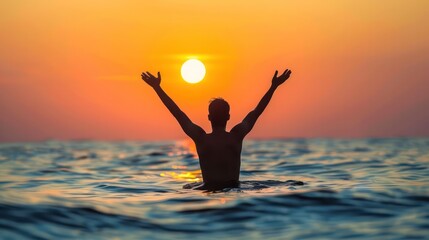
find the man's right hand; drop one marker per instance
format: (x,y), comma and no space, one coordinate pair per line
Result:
(277,81)
(151,79)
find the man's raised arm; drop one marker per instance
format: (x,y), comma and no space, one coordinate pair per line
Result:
(191,129)
(243,128)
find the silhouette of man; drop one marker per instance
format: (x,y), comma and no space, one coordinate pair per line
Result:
(219,152)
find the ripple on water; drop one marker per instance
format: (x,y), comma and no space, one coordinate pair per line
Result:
(120,189)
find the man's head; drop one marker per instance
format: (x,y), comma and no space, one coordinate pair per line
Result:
(218,112)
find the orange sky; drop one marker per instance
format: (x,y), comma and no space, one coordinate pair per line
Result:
(71,69)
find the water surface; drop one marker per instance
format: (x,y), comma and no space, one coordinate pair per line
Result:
(291,189)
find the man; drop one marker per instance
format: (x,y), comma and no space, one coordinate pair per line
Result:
(219,152)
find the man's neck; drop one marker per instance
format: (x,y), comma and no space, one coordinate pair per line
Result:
(218,129)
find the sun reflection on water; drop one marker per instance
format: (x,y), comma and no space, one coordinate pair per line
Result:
(191,176)
(186,147)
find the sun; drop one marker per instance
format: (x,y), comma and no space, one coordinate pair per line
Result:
(193,71)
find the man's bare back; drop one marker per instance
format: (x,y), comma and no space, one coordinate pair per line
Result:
(219,152)
(219,155)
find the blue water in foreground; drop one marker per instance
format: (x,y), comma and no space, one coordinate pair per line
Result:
(340,189)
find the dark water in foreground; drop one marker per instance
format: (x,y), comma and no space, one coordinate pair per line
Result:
(371,188)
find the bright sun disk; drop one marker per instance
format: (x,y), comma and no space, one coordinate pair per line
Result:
(193,71)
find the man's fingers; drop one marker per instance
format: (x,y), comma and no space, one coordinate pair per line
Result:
(150,74)
(145,76)
(285,72)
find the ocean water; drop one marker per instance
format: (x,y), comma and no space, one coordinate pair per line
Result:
(290,189)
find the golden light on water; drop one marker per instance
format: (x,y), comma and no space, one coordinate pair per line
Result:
(191,176)
(186,147)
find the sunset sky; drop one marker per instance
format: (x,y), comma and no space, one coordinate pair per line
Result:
(71,69)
